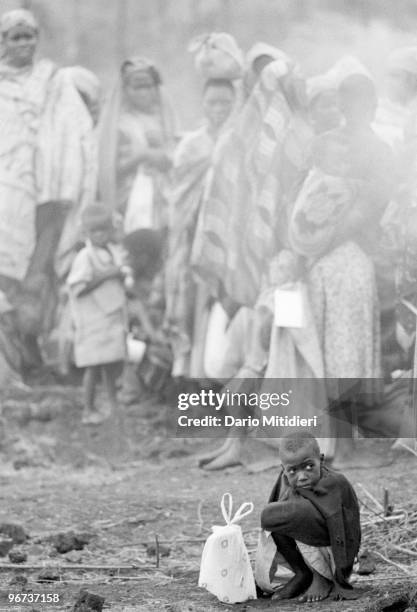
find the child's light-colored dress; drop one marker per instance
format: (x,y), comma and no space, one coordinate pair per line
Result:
(100,316)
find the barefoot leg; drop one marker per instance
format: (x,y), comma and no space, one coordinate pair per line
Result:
(109,380)
(302,578)
(318,590)
(109,373)
(206,458)
(231,457)
(344,443)
(344,456)
(90,379)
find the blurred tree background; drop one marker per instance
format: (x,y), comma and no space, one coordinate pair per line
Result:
(99,34)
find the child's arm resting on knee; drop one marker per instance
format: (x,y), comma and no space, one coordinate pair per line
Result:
(270,516)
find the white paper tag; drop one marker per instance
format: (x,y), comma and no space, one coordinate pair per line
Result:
(135,349)
(289,311)
(140,206)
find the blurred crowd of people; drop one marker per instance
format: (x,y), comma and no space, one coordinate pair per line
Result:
(146,254)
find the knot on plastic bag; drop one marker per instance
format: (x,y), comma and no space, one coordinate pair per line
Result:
(243,511)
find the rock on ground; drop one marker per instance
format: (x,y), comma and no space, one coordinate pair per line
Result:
(5,545)
(88,602)
(65,542)
(14,531)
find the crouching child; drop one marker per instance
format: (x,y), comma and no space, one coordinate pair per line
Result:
(311,527)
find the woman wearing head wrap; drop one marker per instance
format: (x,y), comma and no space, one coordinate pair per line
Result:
(322,93)
(336,224)
(192,163)
(49,162)
(256,170)
(136,134)
(344,156)
(256,173)
(42,167)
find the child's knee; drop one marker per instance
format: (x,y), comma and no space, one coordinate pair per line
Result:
(269,518)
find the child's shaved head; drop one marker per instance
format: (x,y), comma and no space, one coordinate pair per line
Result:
(301,460)
(293,442)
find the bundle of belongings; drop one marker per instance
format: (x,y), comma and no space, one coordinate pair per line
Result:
(225,567)
(217,56)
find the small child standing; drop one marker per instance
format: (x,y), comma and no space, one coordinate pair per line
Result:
(97,282)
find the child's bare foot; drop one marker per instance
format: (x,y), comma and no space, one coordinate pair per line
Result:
(297,585)
(204,459)
(318,590)
(230,458)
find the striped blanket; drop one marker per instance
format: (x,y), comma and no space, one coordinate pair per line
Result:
(191,164)
(256,171)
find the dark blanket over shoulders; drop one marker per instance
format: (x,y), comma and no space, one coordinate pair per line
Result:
(335,499)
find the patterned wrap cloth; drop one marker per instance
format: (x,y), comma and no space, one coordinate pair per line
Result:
(43,127)
(191,165)
(254,175)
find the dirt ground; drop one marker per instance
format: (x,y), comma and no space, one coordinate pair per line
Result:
(57,475)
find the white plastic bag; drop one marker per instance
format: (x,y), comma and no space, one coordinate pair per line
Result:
(140,206)
(225,568)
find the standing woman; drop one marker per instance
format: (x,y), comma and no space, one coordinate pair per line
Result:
(243,221)
(336,226)
(42,171)
(137,134)
(188,302)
